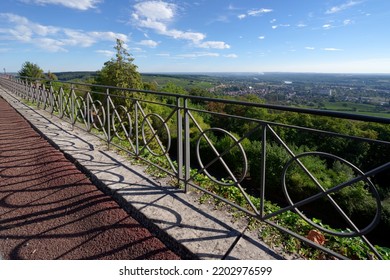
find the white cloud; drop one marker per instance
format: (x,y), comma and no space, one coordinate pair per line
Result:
(50,45)
(332,49)
(301,25)
(74,38)
(214,45)
(327,26)
(106,53)
(51,38)
(155,10)
(341,7)
(309,48)
(4,49)
(259,12)
(73,4)
(254,13)
(347,21)
(148,43)
(135,49)
(274,26)
(261,37)
(23,29)
(108,36)
(232,55)
(158,15)
(186,35)
(198,54)
(232,8)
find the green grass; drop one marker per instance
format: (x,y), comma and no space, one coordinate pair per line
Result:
(185,82)
(356,108)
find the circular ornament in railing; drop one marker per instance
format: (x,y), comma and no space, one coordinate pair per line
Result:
(154,120)
(98,115)
(119,112)
(359,179)
(232,180)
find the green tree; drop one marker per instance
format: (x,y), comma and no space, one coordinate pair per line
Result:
(51,76)
(31,70)
(173,88)
(120,71)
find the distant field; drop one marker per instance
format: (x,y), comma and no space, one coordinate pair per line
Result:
(356,108)
(185,82)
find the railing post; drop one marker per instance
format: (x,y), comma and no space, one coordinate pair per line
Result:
(179,141)
(186,145)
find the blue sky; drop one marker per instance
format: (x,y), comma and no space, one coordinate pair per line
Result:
(330,36)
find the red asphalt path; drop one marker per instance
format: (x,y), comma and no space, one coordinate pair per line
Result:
(50,210)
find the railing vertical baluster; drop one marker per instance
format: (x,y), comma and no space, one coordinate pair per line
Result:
(51,98)
(27,90)
(30,91)
(72,107)
(44,97)
(263,168)
(108,118)
(39,96)
(34,92)
(89,127)
(136,128)
(60,103)
(24,92)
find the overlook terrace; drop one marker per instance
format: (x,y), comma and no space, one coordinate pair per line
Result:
(169,133)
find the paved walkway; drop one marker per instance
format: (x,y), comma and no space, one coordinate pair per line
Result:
(190,229)
(51,210)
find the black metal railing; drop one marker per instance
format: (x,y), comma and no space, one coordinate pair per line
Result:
(317,176)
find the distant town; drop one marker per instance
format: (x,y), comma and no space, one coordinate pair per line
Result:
(342,92)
